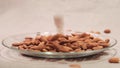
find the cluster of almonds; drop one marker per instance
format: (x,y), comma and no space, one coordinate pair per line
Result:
(62,43)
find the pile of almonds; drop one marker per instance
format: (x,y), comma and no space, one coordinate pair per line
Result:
(76,42)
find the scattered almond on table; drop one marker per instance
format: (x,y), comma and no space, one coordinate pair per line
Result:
(75,66)
(114,60)
(107,31)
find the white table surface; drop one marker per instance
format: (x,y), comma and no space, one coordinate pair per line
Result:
(25,16)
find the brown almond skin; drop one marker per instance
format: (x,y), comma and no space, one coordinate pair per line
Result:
(30,38)
(21,47)
(35,41)
(34,48)
(17,44)
(38,37)
(78,50)
(44,50)
(84,47)
(104,44)
(114,60)
(75,66)
(98,47)
(107,31)
(97,32)
(107,40)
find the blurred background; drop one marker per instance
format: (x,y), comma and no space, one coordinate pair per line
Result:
(20,16)
(26,16)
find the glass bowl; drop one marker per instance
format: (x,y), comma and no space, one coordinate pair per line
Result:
(7,42)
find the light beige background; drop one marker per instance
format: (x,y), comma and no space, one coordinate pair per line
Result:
(24,16)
